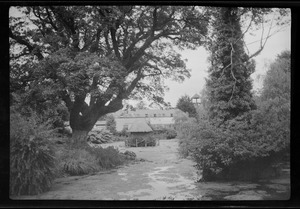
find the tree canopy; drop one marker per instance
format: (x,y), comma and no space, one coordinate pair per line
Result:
(91,58)
(104,53)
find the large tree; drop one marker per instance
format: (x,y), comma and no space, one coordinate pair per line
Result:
(93,57)
(229,85)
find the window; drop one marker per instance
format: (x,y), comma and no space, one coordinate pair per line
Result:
(146,115)
(171,115)
(154,115)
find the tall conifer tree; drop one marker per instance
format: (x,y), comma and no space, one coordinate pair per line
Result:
(229,84)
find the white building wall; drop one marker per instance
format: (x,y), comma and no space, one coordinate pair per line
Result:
(166,122)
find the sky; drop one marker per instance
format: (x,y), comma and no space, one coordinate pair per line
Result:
(197,62)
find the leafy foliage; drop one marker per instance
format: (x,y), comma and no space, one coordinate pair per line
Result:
(171,133)
(186,129)
(106,53)
(247,146)
(107,158)
(185,104)
(76,162)
(32,162)
(164,133)
(111,124)
(85,160)
(277,83)
(229,84)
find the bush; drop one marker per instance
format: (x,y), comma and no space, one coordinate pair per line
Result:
(122,133)
(159,134)
(164,133)
(187,131)
(86,160)
(77,162)
(108,157)
(141,141)
(171,133)
(242,148)
(32,162)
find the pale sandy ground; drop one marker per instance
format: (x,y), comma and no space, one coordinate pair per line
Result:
(161,174)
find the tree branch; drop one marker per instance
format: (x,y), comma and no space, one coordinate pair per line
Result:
(154,21)
(133,84)
(235,80)
(23,53)
(154,67)
(32,49)
(262,45)
(50,20)
(141,50)
(107,42)
(114,42)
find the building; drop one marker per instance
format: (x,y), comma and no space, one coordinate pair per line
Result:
(196,99)
(157,119)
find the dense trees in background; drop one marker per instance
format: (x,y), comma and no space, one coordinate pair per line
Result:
(185,104)
(68,54)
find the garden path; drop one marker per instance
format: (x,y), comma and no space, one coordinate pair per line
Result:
(159,173)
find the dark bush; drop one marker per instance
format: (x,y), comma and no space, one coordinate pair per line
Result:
(159,134)
(244,148)
(32,162)
(122,133)
(171,133)
(108,157)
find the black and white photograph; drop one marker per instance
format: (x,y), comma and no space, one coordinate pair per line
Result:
(152,102)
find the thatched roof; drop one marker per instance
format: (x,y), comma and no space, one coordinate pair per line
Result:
(139,126)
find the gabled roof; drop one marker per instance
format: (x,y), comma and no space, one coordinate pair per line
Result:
(139,126)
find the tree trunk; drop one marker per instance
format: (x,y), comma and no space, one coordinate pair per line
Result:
(79,136)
